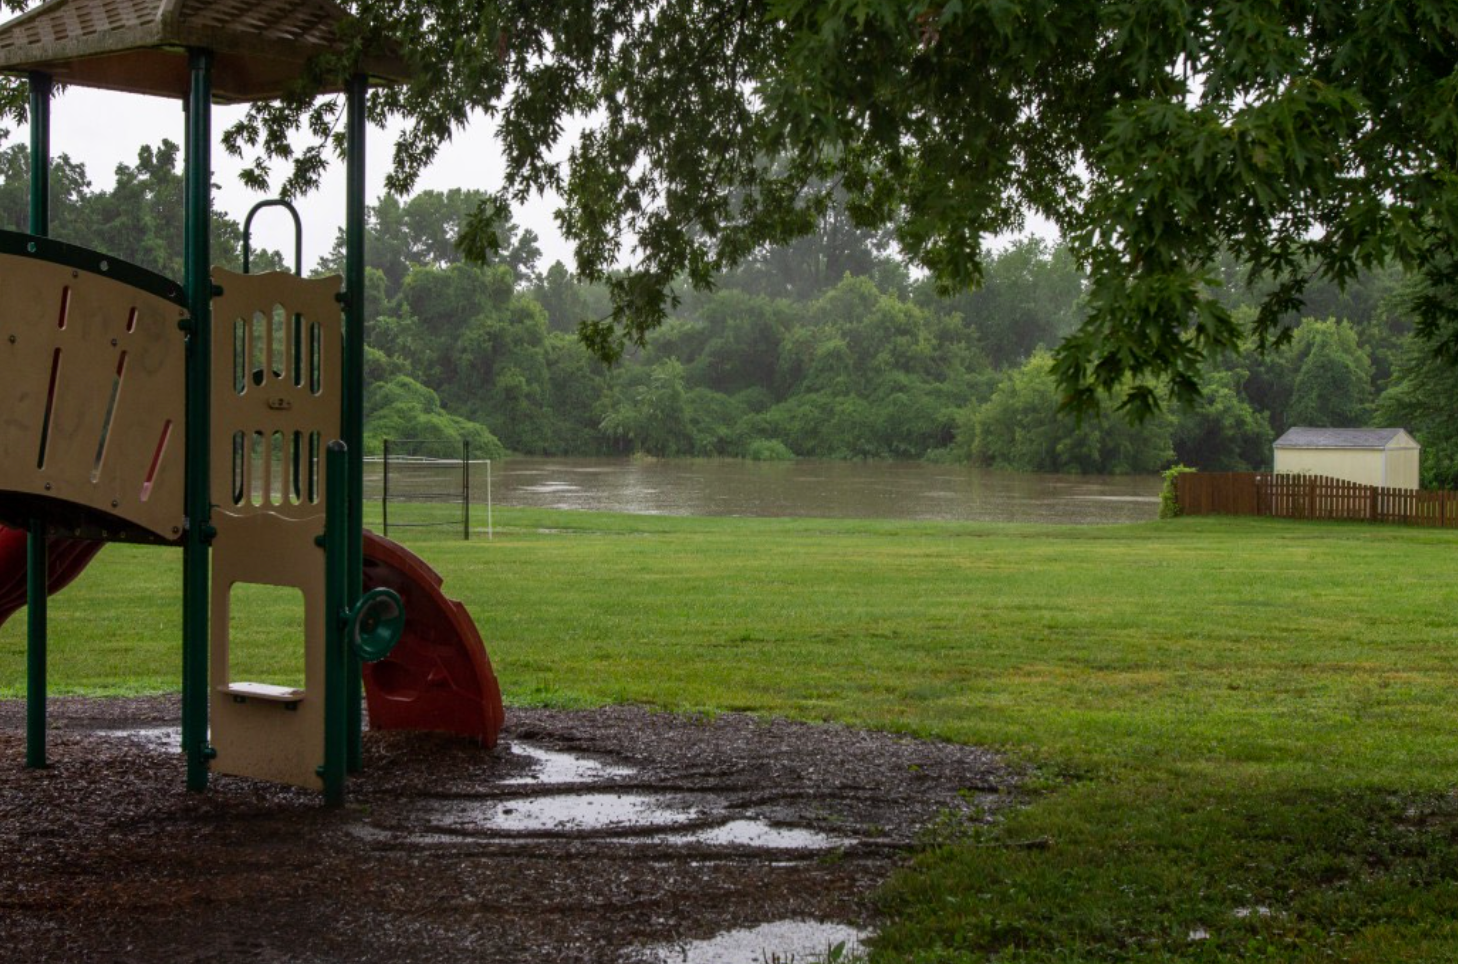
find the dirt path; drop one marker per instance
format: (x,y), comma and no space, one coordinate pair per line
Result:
(613,835)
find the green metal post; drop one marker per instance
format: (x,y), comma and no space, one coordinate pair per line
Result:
(199,286)
(35,650)
(37,558)
(354,306)
(40,154)
(337,662)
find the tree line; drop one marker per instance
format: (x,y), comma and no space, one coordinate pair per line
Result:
(828,347)
(824,347)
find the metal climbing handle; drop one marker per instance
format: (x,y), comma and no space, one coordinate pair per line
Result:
(277,202)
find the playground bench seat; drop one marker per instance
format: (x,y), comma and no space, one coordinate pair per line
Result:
(242,692)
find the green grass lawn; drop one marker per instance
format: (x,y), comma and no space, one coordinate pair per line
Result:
(1244,733)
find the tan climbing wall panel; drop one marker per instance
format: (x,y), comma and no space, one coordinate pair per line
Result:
(92,380)
(277,363)
(276,404)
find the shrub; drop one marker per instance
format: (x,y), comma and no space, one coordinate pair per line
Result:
(768,450)
(1169,503)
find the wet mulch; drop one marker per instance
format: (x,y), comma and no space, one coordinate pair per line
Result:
(105,857)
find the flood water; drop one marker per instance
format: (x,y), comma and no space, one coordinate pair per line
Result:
(809,488)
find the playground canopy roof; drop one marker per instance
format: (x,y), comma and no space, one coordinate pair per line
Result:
(140,46)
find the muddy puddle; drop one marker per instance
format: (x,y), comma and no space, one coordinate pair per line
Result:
(625,818)
(779,942)
(612,836)
(551,766)
(161,739)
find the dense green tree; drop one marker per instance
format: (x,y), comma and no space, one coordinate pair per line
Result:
(650,414)
(401,407)
(425,230)
(578,385)
(1333,386)
(715,423)
(805,267)
(1020,429)
(739,342)
(823,424)
(138,220)
(1310,139)
(1423,398)
(70,194)
(562,298)
(1030,298)
(1222,431)
(502,358)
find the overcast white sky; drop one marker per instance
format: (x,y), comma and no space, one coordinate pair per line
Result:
(102,129)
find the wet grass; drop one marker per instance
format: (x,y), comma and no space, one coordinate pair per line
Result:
(1246,731)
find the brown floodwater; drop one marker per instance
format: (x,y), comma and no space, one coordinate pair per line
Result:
(810,488)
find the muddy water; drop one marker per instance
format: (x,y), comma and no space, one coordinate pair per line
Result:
(575,797)
(781,942)
(808,488)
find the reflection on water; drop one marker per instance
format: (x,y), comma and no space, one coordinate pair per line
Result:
(876,490)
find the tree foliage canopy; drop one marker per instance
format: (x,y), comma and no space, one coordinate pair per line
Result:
(1310,138)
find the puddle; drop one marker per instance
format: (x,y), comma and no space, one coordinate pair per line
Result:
(782,942)
(552,766)
(612,815)
(757,833)
(573,813)
(161,739)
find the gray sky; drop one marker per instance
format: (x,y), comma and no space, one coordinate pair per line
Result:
(102,129)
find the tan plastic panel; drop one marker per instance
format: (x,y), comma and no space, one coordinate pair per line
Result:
(265,738)
(268,537)
(108,361)
(276,395)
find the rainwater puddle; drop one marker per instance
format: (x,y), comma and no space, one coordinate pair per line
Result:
(623,818)
(160,739)
(757,833)
(782,942)
(552,766)
(577,812)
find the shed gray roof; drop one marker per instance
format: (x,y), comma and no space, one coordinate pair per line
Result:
(1340,438)
(139,46)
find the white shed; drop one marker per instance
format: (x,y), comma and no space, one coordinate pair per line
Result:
(1372,456)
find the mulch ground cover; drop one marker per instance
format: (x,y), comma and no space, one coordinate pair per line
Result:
(105,857)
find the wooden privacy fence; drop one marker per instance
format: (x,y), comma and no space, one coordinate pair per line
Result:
(1311,497)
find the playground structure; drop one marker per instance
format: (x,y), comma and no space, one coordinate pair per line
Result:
(222,415)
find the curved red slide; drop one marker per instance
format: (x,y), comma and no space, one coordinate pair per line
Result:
(438,676)
(66,560)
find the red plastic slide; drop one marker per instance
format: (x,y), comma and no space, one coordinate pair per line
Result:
(437,678)
(66,560)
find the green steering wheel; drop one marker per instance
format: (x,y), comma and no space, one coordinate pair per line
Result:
(375,624)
